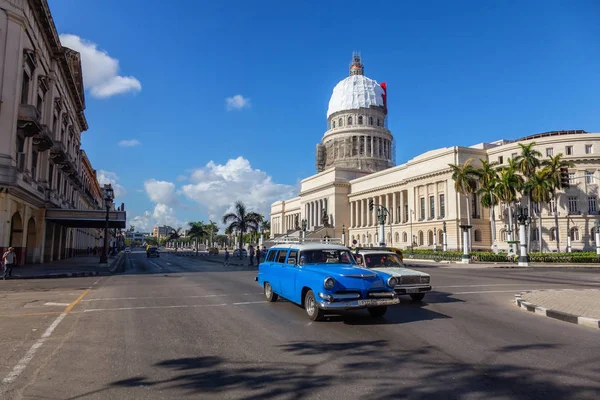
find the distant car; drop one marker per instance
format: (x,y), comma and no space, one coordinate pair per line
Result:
(410,281)
(127,249)
(152,252)
(324,278)
(236,253)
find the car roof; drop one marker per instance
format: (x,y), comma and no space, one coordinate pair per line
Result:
(308,246)
(375,252)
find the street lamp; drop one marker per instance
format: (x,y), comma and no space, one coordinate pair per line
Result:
(343,235)
(304,226)
(109,195)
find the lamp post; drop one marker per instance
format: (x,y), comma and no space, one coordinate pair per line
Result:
(411,235)
(108,198)
(444,239)
(523,219)
(597,225)
(435,243)
(304,225)
(343,235)
(465,257)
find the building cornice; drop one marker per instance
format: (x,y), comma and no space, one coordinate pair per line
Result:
(325,186)
(403,182)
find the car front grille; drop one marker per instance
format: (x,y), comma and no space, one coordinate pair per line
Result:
(410,280)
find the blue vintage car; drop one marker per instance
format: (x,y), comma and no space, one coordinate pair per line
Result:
(323,277)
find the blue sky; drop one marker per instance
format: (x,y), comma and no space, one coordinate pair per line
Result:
(458,73)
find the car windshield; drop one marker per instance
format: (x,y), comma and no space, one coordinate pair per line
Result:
(382,260)
(326,256)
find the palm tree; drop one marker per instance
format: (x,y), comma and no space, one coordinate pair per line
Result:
(242,220)
(507,186)
(212,229)
(174,235)
(527,163)
(539,188)
(488,176)
(465,183)
(197,232)
(554,165)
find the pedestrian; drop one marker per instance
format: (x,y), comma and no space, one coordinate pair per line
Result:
(251,256)
(226,263)
(258,254)
(8,261)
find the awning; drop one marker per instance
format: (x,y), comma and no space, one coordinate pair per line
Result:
(86,218)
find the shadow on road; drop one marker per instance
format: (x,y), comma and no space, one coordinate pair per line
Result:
(342,367)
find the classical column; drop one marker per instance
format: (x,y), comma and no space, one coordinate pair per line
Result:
(351,214)
(372,146)
(394,208)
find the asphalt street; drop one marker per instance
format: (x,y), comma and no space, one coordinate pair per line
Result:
(181,327)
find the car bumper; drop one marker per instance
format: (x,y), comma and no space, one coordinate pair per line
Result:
(356,304)
(412,289)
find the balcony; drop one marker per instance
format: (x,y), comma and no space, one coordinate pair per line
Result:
(28,122)
(42,141)
(58,153)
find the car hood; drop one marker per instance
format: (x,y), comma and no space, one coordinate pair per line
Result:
(349,277)
(398,271)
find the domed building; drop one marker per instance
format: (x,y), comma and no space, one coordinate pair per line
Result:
(357,135)
(355,162)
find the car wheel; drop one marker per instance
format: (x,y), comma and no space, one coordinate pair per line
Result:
(417,296)
(269,293)
(377,311)
(311,307)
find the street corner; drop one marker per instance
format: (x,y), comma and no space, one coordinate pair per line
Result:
(577,306)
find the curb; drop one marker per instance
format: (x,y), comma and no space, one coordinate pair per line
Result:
(562,316)
(54,276)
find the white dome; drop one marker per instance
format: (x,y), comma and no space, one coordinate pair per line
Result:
(354,92)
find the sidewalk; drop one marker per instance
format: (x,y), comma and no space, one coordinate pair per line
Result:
(217,259)
(70,267)
(578,306)
(421,262)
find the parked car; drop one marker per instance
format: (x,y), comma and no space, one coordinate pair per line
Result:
(410,281)
(213,251)
(152,252)
(236,253)
(323,277)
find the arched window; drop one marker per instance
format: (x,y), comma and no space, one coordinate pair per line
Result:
(363,241)
(574,234)
(370,120)
(349,120)
(404,237)
(593,235)
(360,120)
(333,124)
(389,237)
(340,122)
(477,235)
(504,235)
(377,121)
(420,238)
(552,235)
(397,237)
(535,235)
(441,236)
(430,238)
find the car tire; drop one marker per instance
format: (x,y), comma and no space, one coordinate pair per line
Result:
(377,311)
(417,296)
(269,293)
(310,305)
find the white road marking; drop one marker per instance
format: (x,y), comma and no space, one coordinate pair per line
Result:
(155,264)
(173,297)
(22,364)
(168,263)
(497,291)
(248,302)
(155,307)
(500,284)
(57,304)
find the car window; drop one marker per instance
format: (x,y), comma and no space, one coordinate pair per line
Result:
(382,260)
(326,256)
(271,255)
(293,257)
(281,256)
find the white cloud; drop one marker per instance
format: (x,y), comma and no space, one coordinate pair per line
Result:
(181,178)
(161,192)
(217,187)
(100,71)
(129,143)
(106,177)
(237,102)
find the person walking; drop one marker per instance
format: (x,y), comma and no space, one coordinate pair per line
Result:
(8,261)
(226,263)
(251,264)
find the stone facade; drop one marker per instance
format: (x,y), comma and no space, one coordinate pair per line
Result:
(41,121)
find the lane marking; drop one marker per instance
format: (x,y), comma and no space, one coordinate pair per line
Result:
(23,362)
(153,263)
(505,284)
(57,304)
(172,297)
(249,302)
(497,291)
(168,263)
(154,307)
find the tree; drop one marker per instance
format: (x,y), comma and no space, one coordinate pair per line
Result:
(508,185)
(465,183)
(553,166)
(241,220)
(152,241)
(539,188)
(197,232)
(488,176)
(173,235)
(527,163)
(212,229)
(131,228)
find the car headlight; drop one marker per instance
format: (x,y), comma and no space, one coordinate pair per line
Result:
(329,283)
(392,281)
(425,279)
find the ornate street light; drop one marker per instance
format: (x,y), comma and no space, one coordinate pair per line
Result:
(343,235)
(109,195)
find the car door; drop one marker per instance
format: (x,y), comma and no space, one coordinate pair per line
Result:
(279,271)
(288,275)
(269,267)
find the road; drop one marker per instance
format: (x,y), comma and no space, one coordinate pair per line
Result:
(181,327)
